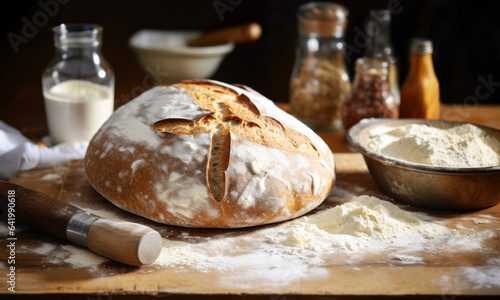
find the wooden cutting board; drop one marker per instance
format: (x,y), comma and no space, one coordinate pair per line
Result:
(45,265)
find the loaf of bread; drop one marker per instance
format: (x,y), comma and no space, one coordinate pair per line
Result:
(209,154)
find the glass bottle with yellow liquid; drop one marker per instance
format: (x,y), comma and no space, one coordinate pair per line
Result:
(420,91)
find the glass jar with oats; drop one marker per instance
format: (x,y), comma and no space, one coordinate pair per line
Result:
(320,83)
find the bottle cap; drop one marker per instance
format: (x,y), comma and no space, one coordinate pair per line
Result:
(322,19)
(77,35)
(421,46)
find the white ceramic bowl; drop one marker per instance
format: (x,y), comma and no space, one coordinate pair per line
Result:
(165,54)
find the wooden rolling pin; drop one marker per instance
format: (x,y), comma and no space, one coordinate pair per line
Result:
(126,242)
(244,33)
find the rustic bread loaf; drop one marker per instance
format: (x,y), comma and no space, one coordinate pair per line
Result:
(209,154)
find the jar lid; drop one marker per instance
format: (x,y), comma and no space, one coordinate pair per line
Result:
(372,66)
(421,46)
(77,35)
(322,19)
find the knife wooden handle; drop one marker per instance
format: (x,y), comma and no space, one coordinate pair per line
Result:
(126,242)
(244,33)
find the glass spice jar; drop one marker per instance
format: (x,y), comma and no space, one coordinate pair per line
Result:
(379,46)
(371,96)
(319,83)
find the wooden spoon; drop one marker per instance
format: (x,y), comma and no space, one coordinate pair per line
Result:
(243,33)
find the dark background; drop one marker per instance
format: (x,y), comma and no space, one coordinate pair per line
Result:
(466,37)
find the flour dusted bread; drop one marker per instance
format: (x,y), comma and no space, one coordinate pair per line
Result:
(209,154)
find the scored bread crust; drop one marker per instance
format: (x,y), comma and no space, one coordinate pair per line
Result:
(209,154)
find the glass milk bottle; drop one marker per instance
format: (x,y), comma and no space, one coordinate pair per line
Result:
(78,84)
(319,82)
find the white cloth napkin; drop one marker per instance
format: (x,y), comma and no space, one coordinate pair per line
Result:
(19,153)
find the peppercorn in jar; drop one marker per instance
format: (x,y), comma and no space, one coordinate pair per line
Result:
(371,95)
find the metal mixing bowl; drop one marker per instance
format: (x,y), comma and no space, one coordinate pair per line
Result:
(440,188)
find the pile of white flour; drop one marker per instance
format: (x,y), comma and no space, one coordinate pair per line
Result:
(360,230)
(464,146)
(297,249)
(362,223)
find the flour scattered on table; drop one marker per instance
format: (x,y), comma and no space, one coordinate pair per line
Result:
(105,213)
(359,230)
(44,249)
(240,268)
(5,231)
(51,177)
(82,258)
(482,219)
(77,258)
(487,276)
(286,252)
(407,259)
(55,255)
(363,223)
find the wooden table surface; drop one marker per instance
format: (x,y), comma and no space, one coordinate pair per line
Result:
(46,267)
(447,274)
